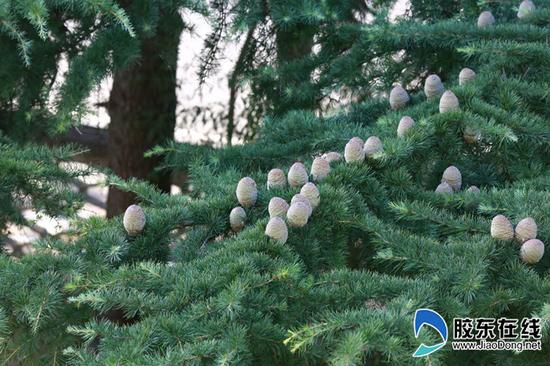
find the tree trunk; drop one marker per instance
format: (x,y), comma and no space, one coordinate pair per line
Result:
(293,44)
(142,107)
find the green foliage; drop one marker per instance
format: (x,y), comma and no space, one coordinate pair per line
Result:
(32,176)
(94,38)
(343,289)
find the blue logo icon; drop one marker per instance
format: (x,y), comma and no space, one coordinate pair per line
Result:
(432,319)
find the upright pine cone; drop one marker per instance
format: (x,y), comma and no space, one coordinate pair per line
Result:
(399,97)
(485,19)
(277,207)
(237,219)
(444,187)
(452,176)
(532,251)
(297,175)
(247,193)
(358,140)
(276,229)
(353,152)
(433,86)
(298,214)
(302,199)
(405,124)
(332,156)
(525,9)
(466,75)
(319,169)
(310,191)
(501,228)
(526,229)
(373,145)
(134,220)
(448,102)
(276,179)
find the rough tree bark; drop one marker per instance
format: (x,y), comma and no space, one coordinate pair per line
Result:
(142,107)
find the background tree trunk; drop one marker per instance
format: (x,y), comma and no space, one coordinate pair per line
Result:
(142,107)
(292,44)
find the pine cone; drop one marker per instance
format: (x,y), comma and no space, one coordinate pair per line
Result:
(501,228)
(297,175)
(452,176)
(354,152)
(298,214)
(277,207)
(444,187)
(319,169)
(405,124)
(448,102)
(526,229)
(474,189)
(310,191)
(332,156)
(399,97)
(373,145)
(247,193)
(237,218)
(466,75)
(302,199)
(433,86)
(358,140)
(485,19)
(525,9)
(532,251)
(276,179)
(134,220)
(276,229)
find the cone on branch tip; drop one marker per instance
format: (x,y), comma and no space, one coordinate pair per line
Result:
(134,220)
(373,146)
(358,140)
(247,192)
(276,179)
(405,125)
(237,218)
(298,214)
(453,177)
(444,188)
(466,75)
(320,168)
(525,9)
(332,156)
(399,97)
(277,207)
(501,228)
(526,229)
(311,192)
(302,199)
(433,86)
(485,19)
(297,175)
(448,102)
(353,152)
(532,251)
(276,229)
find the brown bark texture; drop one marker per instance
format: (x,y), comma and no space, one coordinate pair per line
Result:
(142,107)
